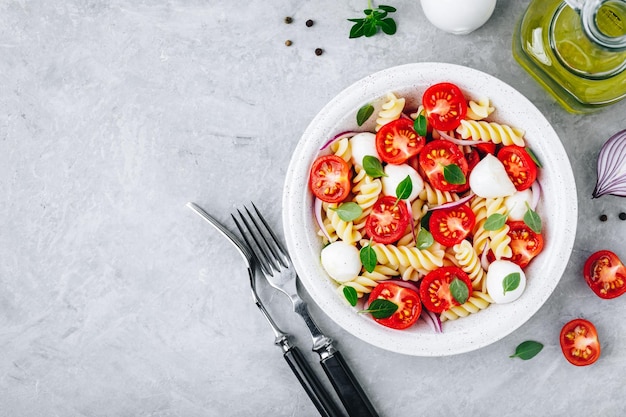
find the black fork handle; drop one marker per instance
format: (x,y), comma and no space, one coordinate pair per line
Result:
(311,383)
(346,385)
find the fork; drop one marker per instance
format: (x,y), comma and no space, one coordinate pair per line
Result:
(300,367)
(277,268)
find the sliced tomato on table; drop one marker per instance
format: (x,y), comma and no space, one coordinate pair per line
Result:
(435,289)
(388,220)
(450,226)
(397,141)
(579,342)
(525,243)
(329,178)
(605,274)
(518,165)
(445,106)
(407,300)
(436,157)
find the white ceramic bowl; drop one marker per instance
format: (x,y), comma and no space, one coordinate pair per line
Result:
(557,207)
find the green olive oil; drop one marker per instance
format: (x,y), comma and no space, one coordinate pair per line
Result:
(582,63)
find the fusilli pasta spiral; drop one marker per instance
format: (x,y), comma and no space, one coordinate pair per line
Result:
(491,132)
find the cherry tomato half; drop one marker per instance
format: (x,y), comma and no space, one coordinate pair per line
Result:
(397,141)
(330,178)
(407,300)
(579,342)
(435,288)
(525,243)
(387,221)
(450,226)
(445,106)
(437,155)
(519,166)
(605,274)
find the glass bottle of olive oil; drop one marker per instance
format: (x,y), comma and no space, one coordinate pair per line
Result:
(576,49)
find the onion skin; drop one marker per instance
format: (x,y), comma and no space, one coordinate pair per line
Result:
(612,167)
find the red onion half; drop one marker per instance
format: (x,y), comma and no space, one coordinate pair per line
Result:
(612,167)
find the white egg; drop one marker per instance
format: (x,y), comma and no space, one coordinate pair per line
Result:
(363,144)
(459,17)
(341,260)
(489,179)
(496,275)
(516,204)
(396,174)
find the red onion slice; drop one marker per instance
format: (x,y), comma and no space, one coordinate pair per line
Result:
(453,203)
(318,217)
(536,190)
(405,284)
(484,261)
(612,167)
(433,320)
(456,141)
(339,136)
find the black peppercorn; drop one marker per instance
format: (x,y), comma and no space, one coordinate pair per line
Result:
(309,23)
(603,217)
(288,19)
(319,51)
(622,216)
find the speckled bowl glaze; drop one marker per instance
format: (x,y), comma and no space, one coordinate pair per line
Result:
(557,207)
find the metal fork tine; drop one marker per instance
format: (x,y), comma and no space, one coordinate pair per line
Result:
(245,231)
(284,259)
(263,243)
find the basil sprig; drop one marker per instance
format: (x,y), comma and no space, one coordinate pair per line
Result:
(527,350)
(532,219)
(367,254)
(459,290)
(453,174)
(351,295)
(381,308)
(495,222)
(348,211)
(373,167)
(511,282)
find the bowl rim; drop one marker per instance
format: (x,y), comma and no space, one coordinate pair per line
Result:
(497,321)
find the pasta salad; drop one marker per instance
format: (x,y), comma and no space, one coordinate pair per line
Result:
(432,214)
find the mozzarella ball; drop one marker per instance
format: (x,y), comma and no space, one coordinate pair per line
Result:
(363,144)
(516,204)
(396,174)
(490,180)
(498,271)
(341,261)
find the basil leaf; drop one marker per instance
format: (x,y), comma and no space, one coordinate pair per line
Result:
(367,254)
(495,222)
(348,211)
(389,9)
(420,125)
(373,167)
(453,174)
(370,28)
(351,295)
(459,291)
(381,308)
(404,189)
(532,219)
(368,12)
(527,350)
(388,26)
(367,110)
(533,157)
(511,282)
(425,220)
(424,239)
